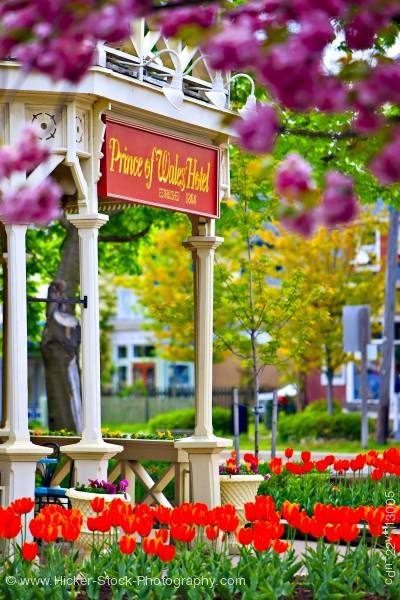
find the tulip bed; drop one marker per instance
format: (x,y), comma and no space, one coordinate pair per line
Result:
(368,479)
(157,552)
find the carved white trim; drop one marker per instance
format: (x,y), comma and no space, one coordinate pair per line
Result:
(82,130)
(99,131)
(51,121)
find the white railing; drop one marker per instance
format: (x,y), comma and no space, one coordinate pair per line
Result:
(129,465)
(160,55)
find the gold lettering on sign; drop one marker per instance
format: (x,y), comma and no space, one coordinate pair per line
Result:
(166,167)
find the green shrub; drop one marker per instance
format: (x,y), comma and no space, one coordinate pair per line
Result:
(321,406)
(315,425)
(183,419)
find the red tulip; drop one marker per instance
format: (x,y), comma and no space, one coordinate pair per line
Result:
(162,534)
(144,526)
(23,505)
(280,546)
(394,541)
(212,532)
(321,465)
(163,514)
(316,528)
(261,543)
(375,529)
(101,523)
(166,552)
(150,545)
(307,466)
(29,550)
(12,526)
(276,466)
(50,533)
(127,544)
(128,524)
(36,527)
(183,533)
(97,504)
(348,533)
(332,533)
(376,474)
(70,532)
(245,536)
(305,455)
(289,452)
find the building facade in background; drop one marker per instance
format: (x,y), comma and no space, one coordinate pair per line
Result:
(134,352)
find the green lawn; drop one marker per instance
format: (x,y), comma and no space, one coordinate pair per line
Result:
(247,440)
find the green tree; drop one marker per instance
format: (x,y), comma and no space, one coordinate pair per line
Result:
(330,280)
(54,261)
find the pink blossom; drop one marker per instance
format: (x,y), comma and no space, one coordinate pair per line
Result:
(31,152)
(368,122)
(331,95)
(293,176)
(339,203)
(386,165)
(235,47)
(360,32)
(382,85)
(28,153)
(316,31)
(27,204)
(58,37)
(200,16)
(257,132)
(291,73)
(302,223)
(8,161)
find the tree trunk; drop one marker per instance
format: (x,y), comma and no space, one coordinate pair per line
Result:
(382,428)
(256,395)
(329,390)
(61,340)
(301,397)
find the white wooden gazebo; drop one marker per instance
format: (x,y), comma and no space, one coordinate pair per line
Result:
(133,87)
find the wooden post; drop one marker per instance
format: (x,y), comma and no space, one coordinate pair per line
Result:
(92,453)
(235,397)
(274,423)
(364,397)
(382,430)
(4,409)
(203,446)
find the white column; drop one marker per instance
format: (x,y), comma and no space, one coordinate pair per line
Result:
(91,454)
(203,249)
(17,360)
(18,456)
(203,446)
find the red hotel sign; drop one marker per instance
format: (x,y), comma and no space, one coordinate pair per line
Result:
(152,168)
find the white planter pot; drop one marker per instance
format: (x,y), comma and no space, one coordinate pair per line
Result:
(81,501)
(239,489)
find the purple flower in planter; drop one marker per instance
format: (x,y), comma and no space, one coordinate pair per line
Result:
(123,485)
(267,477)
(110,488)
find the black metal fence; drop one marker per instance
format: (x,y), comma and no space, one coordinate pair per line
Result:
(139,407)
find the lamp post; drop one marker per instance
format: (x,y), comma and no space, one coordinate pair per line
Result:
(251,100)
(217,94)
(174,90)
